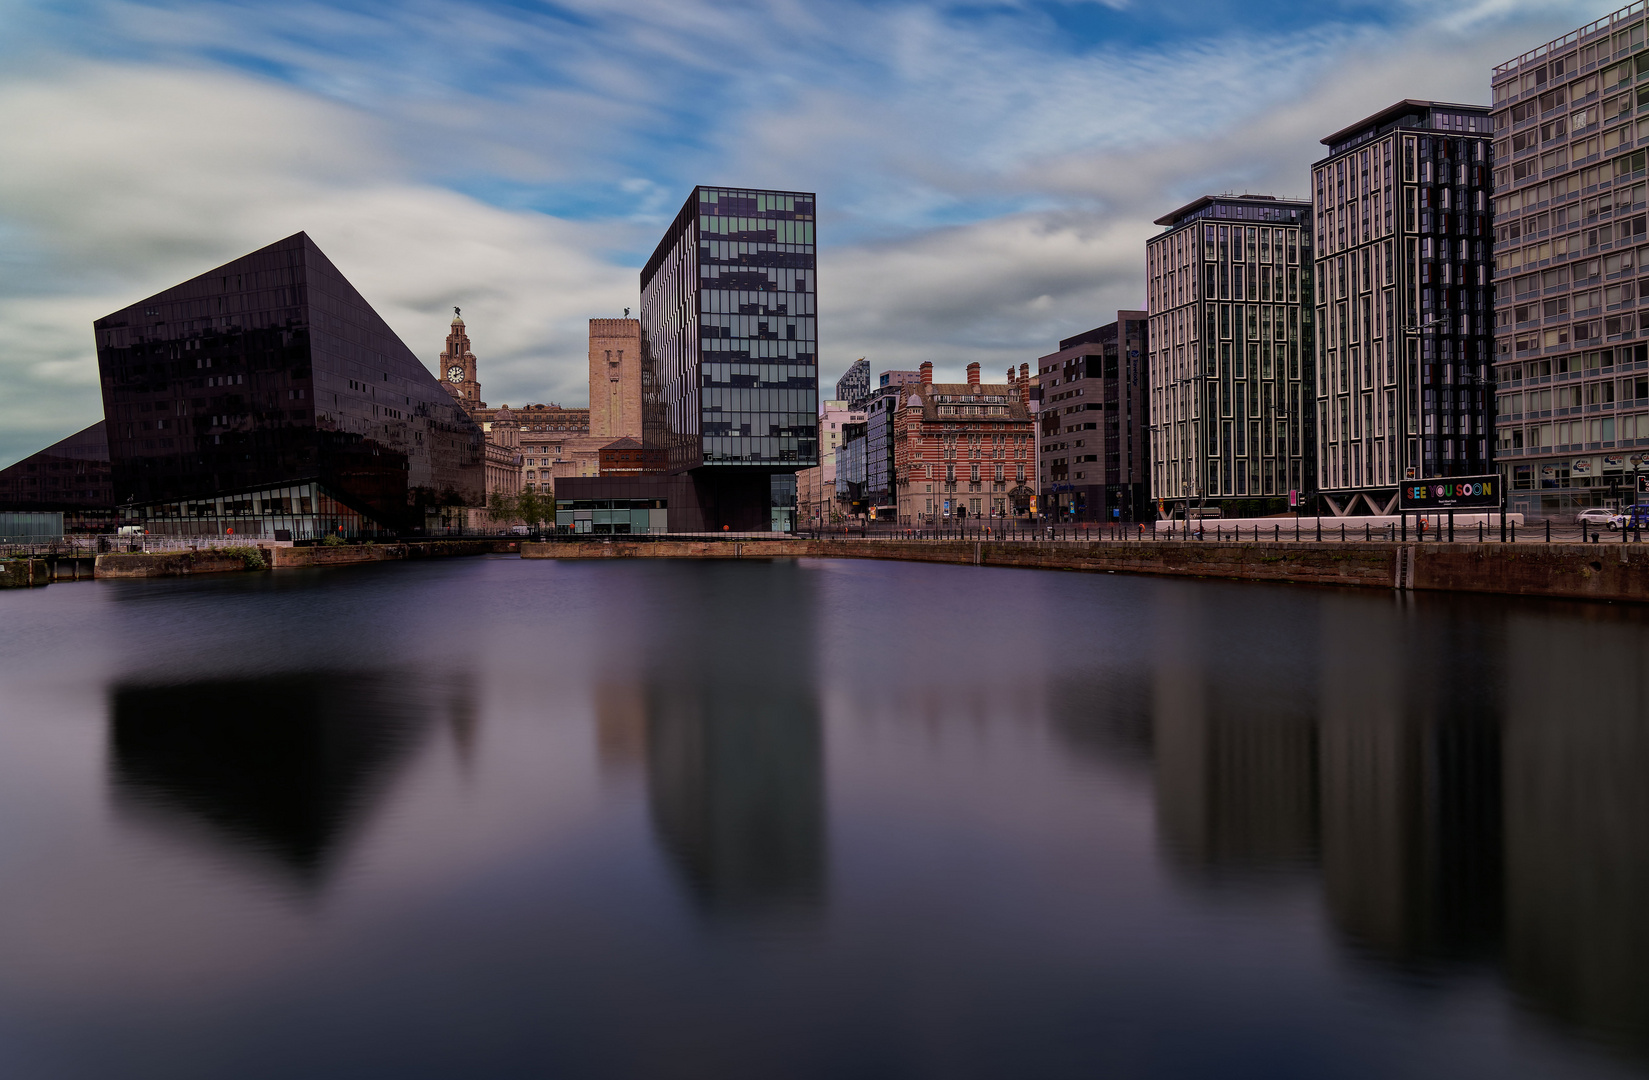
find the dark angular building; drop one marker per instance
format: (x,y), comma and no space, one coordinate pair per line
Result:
(70,477)
(730,375)
(1093,424)
(267,396)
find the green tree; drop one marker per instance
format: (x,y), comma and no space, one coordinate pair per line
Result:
(502,507)
(531,508)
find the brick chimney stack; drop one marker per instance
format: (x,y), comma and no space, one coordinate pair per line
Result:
(973,376)
(1025,385)
(927,373)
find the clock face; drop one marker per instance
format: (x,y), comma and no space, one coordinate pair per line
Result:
(455,374)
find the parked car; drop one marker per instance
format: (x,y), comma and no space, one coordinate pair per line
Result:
(1631,517)
(133,530)
(1596,515)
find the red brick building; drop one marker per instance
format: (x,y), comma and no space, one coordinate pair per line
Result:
(963,450)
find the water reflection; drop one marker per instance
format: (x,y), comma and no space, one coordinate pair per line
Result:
(1576,813)
(725,716)
(282,765)
(1464,805)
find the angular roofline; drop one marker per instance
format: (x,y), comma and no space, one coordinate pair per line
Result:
(1209,200)
(1391,112)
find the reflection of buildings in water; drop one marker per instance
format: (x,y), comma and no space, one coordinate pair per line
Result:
(1105,716)
(283,765)
(1472,802)
(726,714)
(1410,767)
(735,782)
(1234,747)
(1577,824)
(620,723)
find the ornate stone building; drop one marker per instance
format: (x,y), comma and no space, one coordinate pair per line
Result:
(961,450)
(457,367)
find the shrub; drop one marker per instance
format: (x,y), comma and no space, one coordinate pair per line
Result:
(250,557)
(332,540)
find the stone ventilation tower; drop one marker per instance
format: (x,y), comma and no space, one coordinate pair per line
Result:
(457,367)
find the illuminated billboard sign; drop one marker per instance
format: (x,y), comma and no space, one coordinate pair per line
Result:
(1450,493)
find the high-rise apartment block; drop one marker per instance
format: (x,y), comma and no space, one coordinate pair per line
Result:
(730,375)
(1230,351)
(1404,249)
(1092,424)
(855,384)
(1571,366)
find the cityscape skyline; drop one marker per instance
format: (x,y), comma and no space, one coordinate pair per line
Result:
(980,239)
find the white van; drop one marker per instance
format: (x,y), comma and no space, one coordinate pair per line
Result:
(133,530)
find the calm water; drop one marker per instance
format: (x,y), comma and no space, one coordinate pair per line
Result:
(494,818)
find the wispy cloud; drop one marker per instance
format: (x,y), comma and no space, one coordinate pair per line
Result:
(987,173)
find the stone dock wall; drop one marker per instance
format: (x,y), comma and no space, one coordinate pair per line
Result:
(1577,571)
(210,561)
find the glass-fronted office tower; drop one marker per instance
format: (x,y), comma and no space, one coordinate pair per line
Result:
(730,375)
(268,397)
(1404,250)
(1571,364)
(1230,358)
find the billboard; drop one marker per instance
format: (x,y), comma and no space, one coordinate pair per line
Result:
(1451,493)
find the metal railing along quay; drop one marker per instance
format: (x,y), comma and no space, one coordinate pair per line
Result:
(1432,528)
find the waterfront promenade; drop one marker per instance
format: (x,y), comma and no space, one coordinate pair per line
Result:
(1609,568)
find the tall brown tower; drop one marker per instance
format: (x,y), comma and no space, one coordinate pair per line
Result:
(457,368)
(615,379)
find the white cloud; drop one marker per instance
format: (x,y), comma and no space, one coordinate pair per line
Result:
(126,180)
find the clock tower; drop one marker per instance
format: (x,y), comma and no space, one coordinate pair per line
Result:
(457,367)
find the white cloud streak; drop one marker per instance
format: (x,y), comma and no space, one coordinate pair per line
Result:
(985,188)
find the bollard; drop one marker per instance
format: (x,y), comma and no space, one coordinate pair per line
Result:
(1366,536)
(1319,528)
(1548,530)
(1342,532)
(1276,533)
(1479,532)
(1451,526)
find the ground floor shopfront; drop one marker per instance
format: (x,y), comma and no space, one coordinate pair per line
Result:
(1560,485)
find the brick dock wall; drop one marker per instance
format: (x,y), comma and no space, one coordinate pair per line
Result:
(1576,571)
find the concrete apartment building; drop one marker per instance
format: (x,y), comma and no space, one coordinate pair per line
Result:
(960,448)
(1229,350)
(1092,427)
(1404,244)
(1571,368)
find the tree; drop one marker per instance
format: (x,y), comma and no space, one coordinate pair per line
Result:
(532,509)
(502,507)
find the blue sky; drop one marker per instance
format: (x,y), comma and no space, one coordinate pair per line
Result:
(987,172)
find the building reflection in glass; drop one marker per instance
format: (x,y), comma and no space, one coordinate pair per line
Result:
(725,715)
(283,766)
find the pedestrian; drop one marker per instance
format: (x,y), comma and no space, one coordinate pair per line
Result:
(1199,530)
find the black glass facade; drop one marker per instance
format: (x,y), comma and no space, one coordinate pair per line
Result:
(730,377)
(71,476)
(268,372)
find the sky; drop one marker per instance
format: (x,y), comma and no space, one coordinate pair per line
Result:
(987,172)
